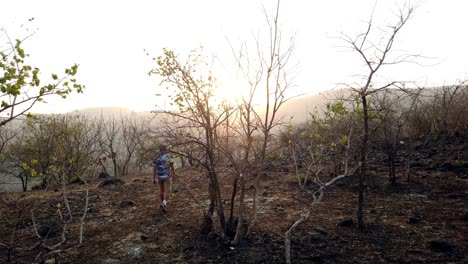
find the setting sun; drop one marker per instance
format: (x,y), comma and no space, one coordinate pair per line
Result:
(231,90)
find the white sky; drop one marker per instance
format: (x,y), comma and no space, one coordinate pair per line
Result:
(107,39)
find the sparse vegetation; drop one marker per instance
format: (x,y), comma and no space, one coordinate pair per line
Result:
(251,187)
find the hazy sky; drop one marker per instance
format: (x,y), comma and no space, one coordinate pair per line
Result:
(108,38)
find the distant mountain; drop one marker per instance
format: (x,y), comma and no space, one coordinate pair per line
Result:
(106,111)
(299,107)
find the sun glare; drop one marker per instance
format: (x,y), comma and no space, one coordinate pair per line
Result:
(231,90)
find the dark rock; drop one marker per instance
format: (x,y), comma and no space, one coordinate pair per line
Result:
(430,168)
(48,229)
(144,237)
(315,237)
(213,235)
(125,204)
(460,172)
(113,181)
(346,222)
(373,211)
(93,210)
(414,220)
(455,196)
(78,181)
(446,166)
(188,249)
(440,245)
(38,187)
(417,164)
(321,231)
(103,175)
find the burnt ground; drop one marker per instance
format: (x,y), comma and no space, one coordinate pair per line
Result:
(423,221)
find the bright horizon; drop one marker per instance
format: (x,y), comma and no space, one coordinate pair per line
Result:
(108,40)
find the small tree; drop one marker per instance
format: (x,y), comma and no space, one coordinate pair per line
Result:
(132,130)
(392,111)
(110,140)
(313,148)
(197,118)
(268,75)
(375,55)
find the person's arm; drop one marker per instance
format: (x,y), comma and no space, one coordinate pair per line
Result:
(155,173)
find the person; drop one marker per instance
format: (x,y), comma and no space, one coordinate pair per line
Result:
(163,174)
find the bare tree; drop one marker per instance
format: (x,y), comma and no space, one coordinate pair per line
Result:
(375,55)
(131,131)
(268,74)
(110,140)
(393,109)
(450,108)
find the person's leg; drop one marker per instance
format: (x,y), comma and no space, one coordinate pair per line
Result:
(161,189)
(167,188)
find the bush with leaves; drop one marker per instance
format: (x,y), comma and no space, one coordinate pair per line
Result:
(315,148)
(21,86)
(51,145)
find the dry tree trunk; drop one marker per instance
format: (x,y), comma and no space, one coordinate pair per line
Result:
(239,230)
(287,240)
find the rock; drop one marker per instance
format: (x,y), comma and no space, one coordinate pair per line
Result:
(413,220)
(136,252)
(373,211)
(144,237)
(103,175)
(93,210)
(321,231)
(417,164)
(455,196)
(314,237)
(417,196)
(113,181)
(430,168)
(48,229)
(213,235)
(461,172)
(446,166)
(440,245)
(111,261)
(125,204)
(346,222)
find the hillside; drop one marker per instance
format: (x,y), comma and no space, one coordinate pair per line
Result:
(423,221)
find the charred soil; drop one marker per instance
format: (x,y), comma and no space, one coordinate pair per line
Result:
(420,221)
